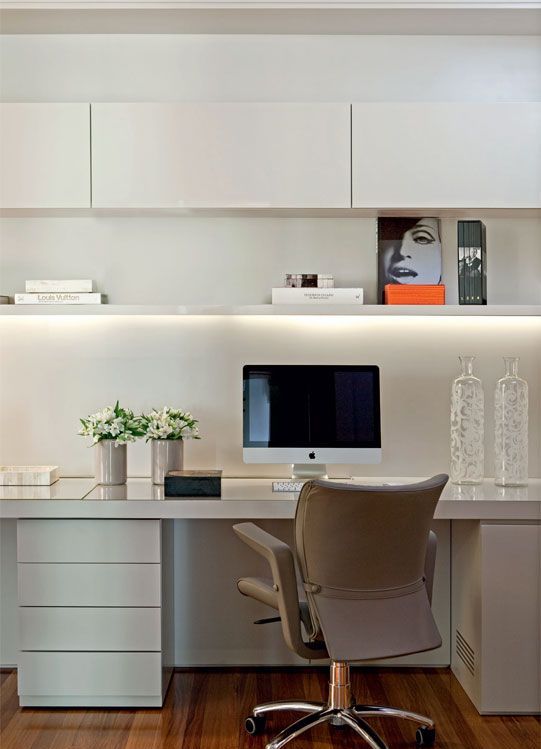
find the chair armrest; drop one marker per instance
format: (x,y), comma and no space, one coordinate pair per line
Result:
(281,561)
(430,563)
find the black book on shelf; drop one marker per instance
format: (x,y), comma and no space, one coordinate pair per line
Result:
(472,262)
(461,263)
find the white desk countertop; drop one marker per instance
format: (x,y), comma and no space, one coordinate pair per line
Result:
(244,498)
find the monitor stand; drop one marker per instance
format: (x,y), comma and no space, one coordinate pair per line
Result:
(309,471)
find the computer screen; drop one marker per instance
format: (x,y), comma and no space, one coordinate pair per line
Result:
(299,413)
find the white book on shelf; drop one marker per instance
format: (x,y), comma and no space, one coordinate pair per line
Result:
(314,295)
(59,298)
(85,285)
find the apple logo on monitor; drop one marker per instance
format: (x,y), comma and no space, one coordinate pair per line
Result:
(312,456)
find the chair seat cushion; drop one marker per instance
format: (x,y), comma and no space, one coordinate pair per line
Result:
(361,629)
(261,589)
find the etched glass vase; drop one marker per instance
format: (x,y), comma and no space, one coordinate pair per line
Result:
(511,427)
(467,426)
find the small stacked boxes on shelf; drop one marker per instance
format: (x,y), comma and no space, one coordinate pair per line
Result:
(414,294)
(65,291)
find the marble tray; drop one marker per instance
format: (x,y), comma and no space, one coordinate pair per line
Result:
(28,475)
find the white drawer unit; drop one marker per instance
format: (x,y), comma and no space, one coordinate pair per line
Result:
(185,155)
(89,584)
(78,679)
(136,541)
(446,155)
(100,629)
(45,155)
(92,628)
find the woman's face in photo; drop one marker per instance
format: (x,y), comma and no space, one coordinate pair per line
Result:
(416,257)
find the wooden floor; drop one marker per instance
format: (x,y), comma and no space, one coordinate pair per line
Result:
(205,710)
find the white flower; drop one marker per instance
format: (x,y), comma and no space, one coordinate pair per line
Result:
(169,424)
(112,422)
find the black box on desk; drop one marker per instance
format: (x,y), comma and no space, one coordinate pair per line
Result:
(193,484)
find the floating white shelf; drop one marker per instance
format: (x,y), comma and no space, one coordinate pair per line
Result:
(504,310)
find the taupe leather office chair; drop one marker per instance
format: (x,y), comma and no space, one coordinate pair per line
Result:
(366,559)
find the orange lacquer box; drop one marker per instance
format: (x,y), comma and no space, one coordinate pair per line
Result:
(411,294)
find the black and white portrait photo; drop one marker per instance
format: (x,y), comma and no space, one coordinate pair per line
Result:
(409,252)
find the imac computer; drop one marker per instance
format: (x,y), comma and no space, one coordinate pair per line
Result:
(310,415)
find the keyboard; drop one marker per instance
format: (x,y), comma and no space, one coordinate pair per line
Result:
(287,486)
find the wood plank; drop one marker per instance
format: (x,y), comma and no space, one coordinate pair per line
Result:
(205,709)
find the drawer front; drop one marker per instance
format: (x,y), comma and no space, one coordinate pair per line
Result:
(60,628)
(88,541)
(89,674)
(89,584)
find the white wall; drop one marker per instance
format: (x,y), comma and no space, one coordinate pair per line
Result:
(53,370)
(196,260)
(269,68)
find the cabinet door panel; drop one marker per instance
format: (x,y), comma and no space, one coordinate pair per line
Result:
(45,155)
(485,155)
(221,155)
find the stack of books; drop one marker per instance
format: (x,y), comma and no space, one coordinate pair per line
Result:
(314,288)
(307,295)
(414,294)
(59,292)
(309,280)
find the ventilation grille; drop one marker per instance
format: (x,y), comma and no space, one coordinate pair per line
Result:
(465,652)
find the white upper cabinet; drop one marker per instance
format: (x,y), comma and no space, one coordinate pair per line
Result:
(45,155)
(452,155)
(221,155)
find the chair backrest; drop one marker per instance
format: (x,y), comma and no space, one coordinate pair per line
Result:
(362,552)
(364,538)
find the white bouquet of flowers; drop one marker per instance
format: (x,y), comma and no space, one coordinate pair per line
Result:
(169,424)
(112,423)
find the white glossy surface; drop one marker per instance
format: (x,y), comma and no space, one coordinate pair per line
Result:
(83,675)
(422,310)
(45,155)
(89,584)
(254,498)
(64,628)
(496,609)
(400,152)
(62,489)
(220,155)
(110,541)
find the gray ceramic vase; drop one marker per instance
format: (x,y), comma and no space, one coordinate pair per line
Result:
(111,463)
(167,455)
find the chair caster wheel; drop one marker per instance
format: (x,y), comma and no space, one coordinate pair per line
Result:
(425,736)
(255,724)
